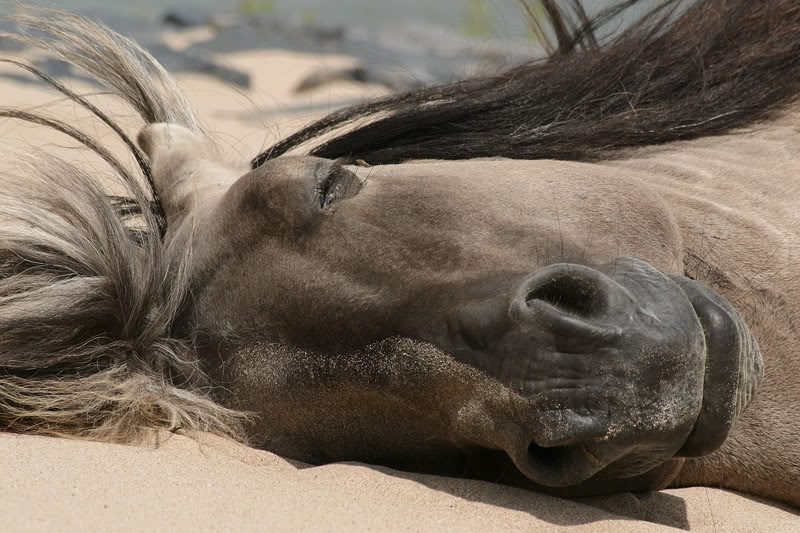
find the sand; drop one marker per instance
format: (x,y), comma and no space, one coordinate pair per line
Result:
(213,484)
(208,483)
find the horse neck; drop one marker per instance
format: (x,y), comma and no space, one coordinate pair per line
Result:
(735,199)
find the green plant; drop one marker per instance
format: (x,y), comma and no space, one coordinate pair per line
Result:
(256,7)
(478,20)
(538,23)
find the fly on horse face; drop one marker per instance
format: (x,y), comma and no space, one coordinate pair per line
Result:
(580,275)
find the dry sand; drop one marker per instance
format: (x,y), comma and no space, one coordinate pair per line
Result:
(212,484)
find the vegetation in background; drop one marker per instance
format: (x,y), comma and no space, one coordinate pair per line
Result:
(256,7)
(478,20)
(308,16)
(537,23)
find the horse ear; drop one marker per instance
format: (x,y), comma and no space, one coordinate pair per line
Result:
(734,368)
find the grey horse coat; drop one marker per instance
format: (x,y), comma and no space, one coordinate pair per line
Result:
(577,325)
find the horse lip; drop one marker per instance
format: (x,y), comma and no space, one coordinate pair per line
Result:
(733,368)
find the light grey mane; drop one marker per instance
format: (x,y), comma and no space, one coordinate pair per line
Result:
(85,309)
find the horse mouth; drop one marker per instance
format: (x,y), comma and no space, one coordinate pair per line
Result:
(620,369)
(734,368)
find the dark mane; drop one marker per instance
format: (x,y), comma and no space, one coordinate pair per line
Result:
(676,73)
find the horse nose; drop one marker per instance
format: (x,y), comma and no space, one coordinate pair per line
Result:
(565,309)
(611,366)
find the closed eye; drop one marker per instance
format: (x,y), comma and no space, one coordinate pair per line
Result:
(334,182)
(325,187)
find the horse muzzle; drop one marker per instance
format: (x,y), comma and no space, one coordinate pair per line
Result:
(617,368)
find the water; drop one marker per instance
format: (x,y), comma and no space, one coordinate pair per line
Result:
(478,18)
(501,19)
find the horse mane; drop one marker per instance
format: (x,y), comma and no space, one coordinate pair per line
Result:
(88,297)
(679,72)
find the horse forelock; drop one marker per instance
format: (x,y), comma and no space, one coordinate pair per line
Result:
(88,292)
(86,313)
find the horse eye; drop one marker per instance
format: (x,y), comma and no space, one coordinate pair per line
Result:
(326,189)
(335,183)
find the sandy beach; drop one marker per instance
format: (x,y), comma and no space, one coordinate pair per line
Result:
(209,484)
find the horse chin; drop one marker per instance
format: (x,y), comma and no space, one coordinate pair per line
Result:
(621,368)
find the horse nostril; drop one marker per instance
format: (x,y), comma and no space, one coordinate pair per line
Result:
(552,459)
(560,466)
(548,461)
(572,291)
(567,308)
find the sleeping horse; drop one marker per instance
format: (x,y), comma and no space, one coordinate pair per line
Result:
(579,276)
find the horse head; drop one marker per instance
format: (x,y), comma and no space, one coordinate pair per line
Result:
(417,312)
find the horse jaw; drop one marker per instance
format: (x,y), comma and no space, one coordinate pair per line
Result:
(188,168)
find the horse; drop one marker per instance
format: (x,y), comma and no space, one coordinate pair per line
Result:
(577,276)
